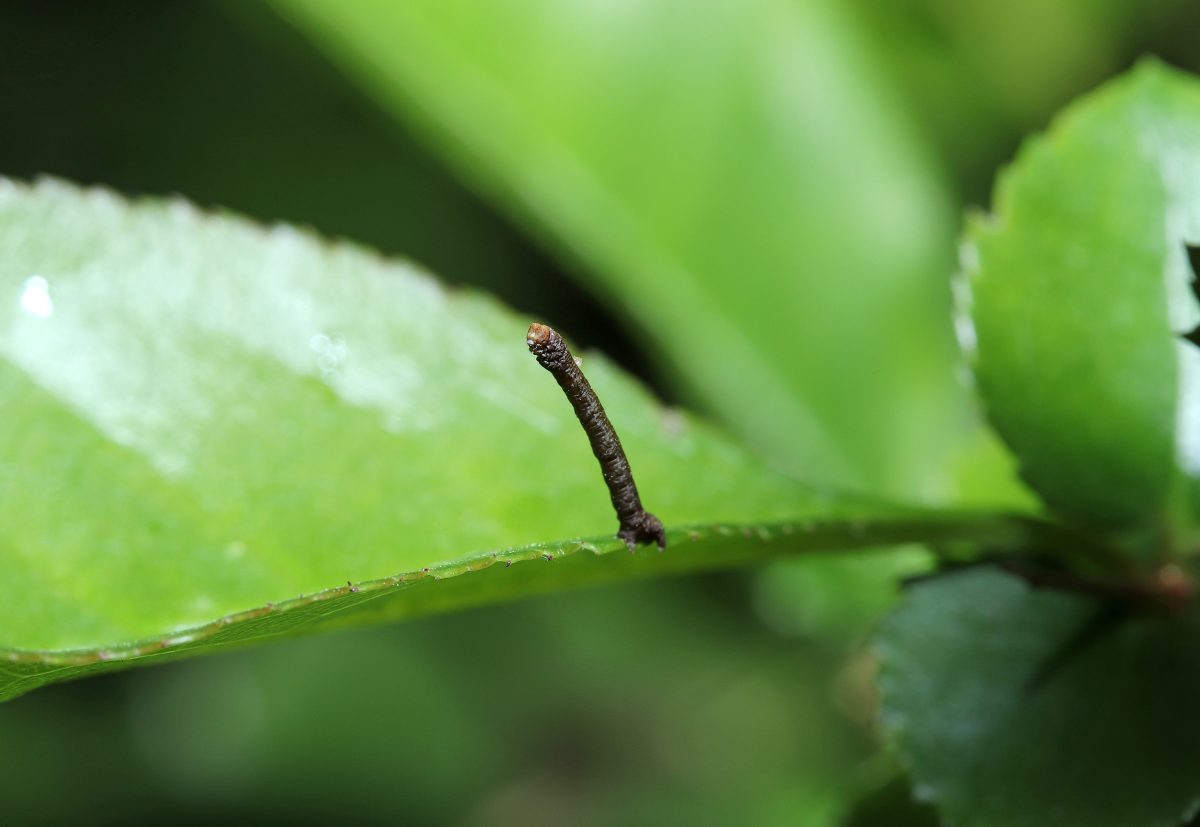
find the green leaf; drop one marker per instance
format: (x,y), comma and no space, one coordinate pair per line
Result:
(736,178)
(211,427)
(1078,288)
(1014,707)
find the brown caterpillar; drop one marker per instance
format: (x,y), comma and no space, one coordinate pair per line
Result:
(637,524)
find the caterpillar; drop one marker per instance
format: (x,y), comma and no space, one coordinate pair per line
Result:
(637,525)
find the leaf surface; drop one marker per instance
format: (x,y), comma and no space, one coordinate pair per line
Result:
(215,432)
(1016,708)
(1077,297)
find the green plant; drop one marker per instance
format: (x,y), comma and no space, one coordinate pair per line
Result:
(216,425)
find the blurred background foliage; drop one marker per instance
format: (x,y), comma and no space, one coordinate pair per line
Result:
(753,206)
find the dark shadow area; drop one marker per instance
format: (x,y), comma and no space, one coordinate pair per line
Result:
(1193,254)
(892,805)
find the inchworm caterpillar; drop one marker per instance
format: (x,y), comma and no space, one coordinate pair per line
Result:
(637,524)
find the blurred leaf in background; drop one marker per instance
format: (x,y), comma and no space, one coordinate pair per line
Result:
(734,177)
(980,76)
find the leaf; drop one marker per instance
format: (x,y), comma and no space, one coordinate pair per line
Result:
(1001,727)
(1077,290)
(735,177)
(211,427)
